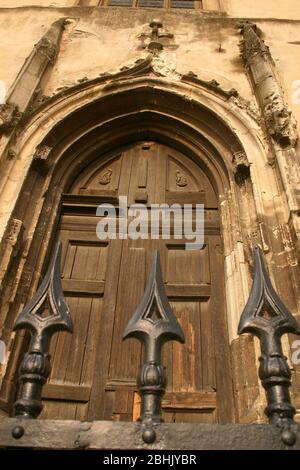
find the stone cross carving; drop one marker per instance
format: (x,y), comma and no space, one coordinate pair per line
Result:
(156,38)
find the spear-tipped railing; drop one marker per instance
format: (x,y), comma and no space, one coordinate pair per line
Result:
(153,323)
(46,313)
(266,317)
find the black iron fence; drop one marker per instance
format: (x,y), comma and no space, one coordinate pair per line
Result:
(154,323)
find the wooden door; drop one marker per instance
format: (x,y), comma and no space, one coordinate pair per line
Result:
(94,372)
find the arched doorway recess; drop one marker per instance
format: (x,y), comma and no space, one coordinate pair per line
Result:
(131,116)
(104,281)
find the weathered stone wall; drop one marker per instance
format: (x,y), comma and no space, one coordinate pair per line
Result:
(289,9)
(96,41)
(42,3)
(106,39)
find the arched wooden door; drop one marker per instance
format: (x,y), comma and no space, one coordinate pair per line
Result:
(94,372)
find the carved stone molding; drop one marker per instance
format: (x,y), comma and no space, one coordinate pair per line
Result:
(26,87)
(48,49)
(12,244)
(250,107)
(213,85)
(158,66)
(9,116)
(279,121)
(252,43)
(14,231)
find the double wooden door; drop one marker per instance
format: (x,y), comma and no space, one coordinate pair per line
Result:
(93,371)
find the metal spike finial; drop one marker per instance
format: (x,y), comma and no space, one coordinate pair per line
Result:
(46,313)
(153,323)
(266,317)
(164,326)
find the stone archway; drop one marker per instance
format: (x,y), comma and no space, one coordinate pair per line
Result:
(122,112)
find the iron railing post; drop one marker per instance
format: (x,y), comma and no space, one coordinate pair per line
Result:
(153,323)
(266,317)
(46,313)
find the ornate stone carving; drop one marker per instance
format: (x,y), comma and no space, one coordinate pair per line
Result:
(11,153)
(252,43)
(47,48)
(250,107)
(9,116)
(279,121)
(181,180)
(241,166)
(40,158)
(105,178)
(15,230)
(161,66)
(13,241)
(42,152)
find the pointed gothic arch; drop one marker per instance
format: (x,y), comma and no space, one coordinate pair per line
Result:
(72,130)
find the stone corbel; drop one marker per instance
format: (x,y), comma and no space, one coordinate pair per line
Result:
(279,120)
(9,116)
(40,159)
(241,167)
